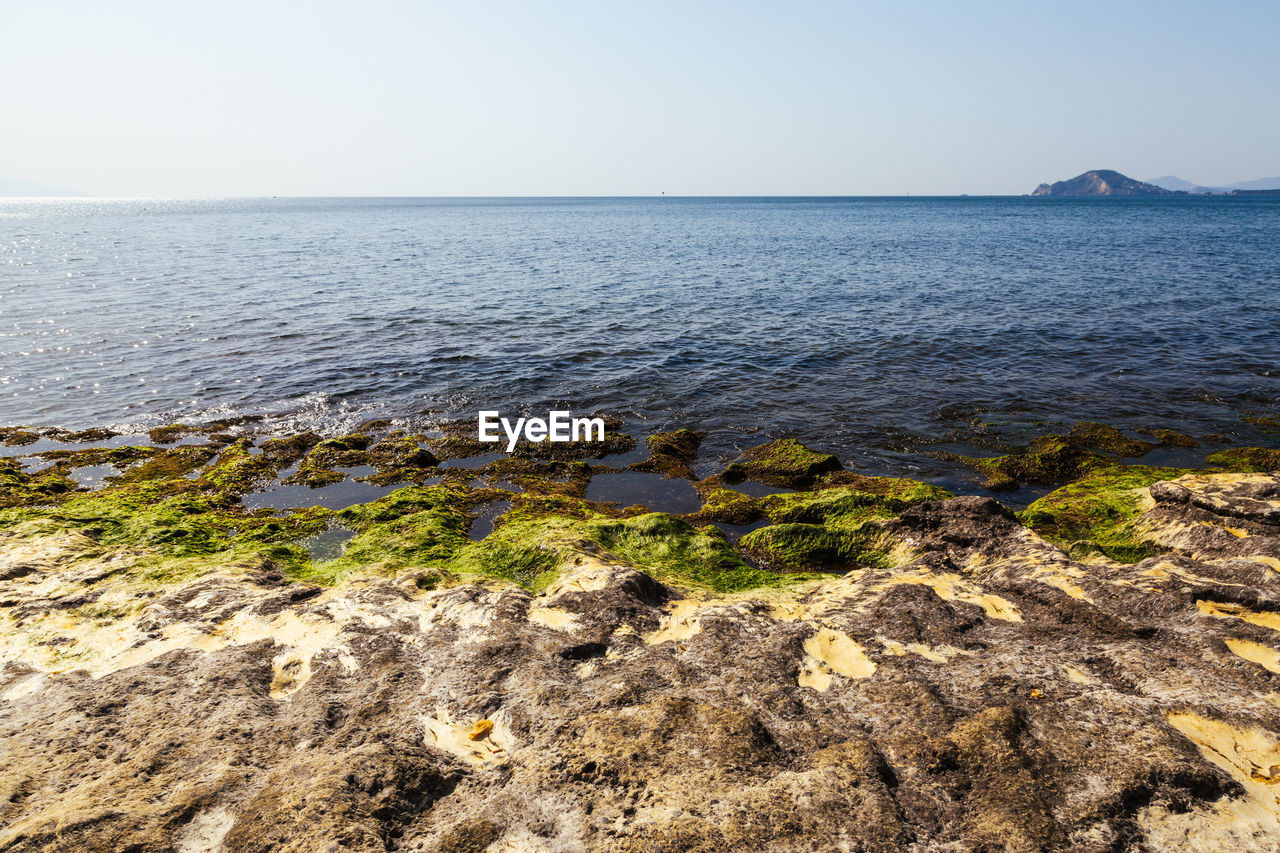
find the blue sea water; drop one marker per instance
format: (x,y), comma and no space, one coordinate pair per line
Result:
(880,329)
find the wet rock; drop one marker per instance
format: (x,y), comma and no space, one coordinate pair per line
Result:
(1170,438)
(786,462)
(1049,460)
(17,437)
(1248,459)
(175,675)
(670,453)
(1107,439)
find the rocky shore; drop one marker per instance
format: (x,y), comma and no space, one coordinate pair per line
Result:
(214,640)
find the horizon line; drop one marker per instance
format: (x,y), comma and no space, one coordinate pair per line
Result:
(531,196)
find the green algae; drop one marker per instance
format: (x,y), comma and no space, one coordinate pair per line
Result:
(849,506)
(680,444)
(786,462)
(174,527)
(318,467)
(538,476)
(1098,511)
(237,471)
(171,433)
(1107,439)
(177,462)
(671,452)
(170,530)
(1251,460)
(1267,423)
(177,527)
(1049,461)
(675,551)
(18,437)
(1170,437)
(798,547)
(19,488)
(834,528)
(527,544)
(120,457)
(418,527)
(1053,460)
(728,506)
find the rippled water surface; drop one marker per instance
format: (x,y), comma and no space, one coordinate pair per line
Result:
(870,327)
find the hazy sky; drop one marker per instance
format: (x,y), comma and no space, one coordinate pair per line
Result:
(600,98)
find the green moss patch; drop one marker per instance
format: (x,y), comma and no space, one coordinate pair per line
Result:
(798,547)
(728,506)
(671,452)
(1107,439)
(1048,461)
(18,488)
(1169,437)
(849,506)
(1255,460)
(18,437)
(786,463)
(1268,423)
(1099,510)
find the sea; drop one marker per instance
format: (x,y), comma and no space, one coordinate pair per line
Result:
(889,331)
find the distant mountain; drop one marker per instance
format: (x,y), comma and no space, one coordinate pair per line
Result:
(30,189)
(1172,182)
(1260,184)
(1101,182)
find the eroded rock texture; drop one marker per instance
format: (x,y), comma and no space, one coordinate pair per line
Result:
(985,693)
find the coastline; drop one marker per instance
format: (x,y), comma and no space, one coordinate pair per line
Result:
(809,643)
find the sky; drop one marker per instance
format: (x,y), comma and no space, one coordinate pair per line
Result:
(389,97)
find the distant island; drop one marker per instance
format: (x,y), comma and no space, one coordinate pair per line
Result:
(1173,182)
(1103,182)
(12,188)
(1107,182)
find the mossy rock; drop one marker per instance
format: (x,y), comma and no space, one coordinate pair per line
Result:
(169,434)
(18,488)
(315,477)
(681,444)
(1169,437)
(786,463)
(527,541)
(177,462)
(1053,460)
(1049,461)
(848,507)
(289,449)
(1250,460)
(1098,511)
(671,452)
(15,437)
(1107,439)
(729,507)
(377,425)
(1267,423)
(237,471)
(799,547)
(121,457)
(395,453)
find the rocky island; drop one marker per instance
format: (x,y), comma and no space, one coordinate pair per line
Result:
(492,660)
(1102,182)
